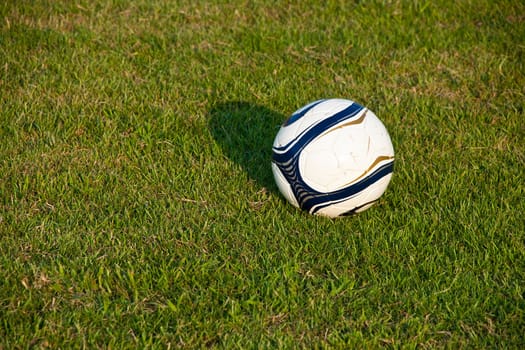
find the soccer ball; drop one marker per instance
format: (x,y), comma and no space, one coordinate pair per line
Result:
(332,157)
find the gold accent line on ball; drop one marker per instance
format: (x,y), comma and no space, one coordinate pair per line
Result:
(376,161)
(352,122)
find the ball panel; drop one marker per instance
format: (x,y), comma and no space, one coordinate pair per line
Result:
(380,142)
(319,168)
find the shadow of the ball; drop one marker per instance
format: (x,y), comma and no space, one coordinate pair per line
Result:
(245,132)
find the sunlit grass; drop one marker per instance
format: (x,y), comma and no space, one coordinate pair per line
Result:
(137,205)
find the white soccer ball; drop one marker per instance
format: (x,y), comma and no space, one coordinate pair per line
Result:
(332,157)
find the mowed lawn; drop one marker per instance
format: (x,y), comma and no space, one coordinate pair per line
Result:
(137,203)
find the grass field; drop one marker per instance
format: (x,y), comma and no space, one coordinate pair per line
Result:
(137,204)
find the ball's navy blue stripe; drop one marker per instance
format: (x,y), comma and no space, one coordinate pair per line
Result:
(312,133)
(313,201)
(346,113)
(322,200)
(296,116)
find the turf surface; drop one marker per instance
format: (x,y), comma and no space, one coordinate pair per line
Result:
(137,205)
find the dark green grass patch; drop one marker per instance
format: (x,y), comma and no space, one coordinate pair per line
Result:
(137,204)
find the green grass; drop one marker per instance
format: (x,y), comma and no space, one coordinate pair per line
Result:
(137,205)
